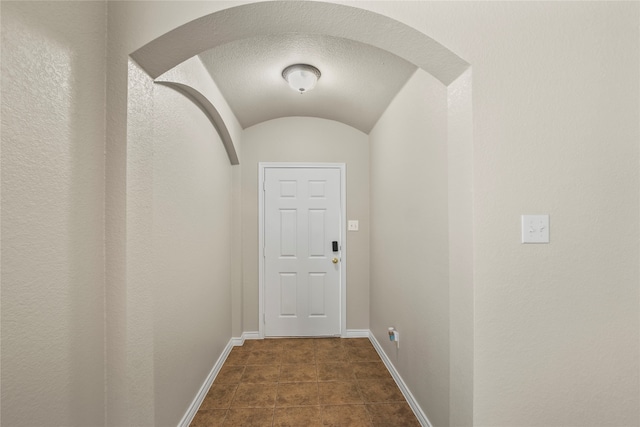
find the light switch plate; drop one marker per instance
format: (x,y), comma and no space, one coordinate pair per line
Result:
(352,225)
(535,228)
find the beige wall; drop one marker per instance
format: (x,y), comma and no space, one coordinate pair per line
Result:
(555,130)
(409,240)
(460,195)
(151,379)
(192,237)
(53,72)
(306,139)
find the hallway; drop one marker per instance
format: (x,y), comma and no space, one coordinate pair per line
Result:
(304,382)
(131,247)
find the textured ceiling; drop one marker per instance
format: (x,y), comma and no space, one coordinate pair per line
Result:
(358,80)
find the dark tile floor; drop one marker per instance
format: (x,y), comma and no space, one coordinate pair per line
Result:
(304,382)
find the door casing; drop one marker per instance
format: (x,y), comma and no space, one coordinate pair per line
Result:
(343,237)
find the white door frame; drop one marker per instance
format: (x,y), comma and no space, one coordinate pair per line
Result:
(343,236)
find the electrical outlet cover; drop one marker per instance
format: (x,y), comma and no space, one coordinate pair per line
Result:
(535,228)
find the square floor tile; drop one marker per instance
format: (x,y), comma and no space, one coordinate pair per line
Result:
(362,354)
(370,370)
(240,348)
(255,395)
(328,343)
(304,382)
(230,374)
(209,418)
(346,415)
(307,416)
(275,343)
(357,342)
(237,357)
(264,357)
(384,390)
(392,414)
(299,355)
(261,374)
(252,345)
(341,371)
(331,355)
(337,392)
(298,344)
(258,417)
(219,396)
(297,394)
(298,373)
(268,344)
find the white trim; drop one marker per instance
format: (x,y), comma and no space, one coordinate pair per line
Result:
(343,238)
(357,333)
(253,335)
(261,242)
(343,249)
(417,410)
(202,393)
(350,333)
(239,341)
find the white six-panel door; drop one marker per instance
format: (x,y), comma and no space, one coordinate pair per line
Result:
(302,217)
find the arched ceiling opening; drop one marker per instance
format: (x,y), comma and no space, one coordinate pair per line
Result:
(357,84)
(365,58)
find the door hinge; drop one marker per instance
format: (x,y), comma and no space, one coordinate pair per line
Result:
(264,318)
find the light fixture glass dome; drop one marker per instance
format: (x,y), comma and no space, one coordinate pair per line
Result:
(301,77)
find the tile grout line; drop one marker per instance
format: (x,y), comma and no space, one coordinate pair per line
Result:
(364,401)
(346,360)
(320,410)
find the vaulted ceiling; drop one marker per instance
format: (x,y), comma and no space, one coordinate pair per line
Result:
(357,84)
(365,58)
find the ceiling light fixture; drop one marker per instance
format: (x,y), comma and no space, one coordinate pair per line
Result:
(301,77)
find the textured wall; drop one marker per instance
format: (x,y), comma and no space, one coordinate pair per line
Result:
(460,189)
(177,317)
(555,130)
(192,236)
(555,111)
(134,395)
(305,139)
(53,72)
(409,240)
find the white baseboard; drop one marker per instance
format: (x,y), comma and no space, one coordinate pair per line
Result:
(417,410)
(253,335)
(357,333)
(193,408)
(351,333)
(238,341)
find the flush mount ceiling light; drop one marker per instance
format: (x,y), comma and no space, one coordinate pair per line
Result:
(301,77)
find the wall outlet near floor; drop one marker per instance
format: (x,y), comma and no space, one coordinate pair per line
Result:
(394,336)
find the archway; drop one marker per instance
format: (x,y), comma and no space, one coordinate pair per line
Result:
(192,38)
(277,17)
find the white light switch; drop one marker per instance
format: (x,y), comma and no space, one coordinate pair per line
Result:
(352,225)
(535,228)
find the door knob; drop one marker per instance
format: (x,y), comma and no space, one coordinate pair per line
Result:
(335,260)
